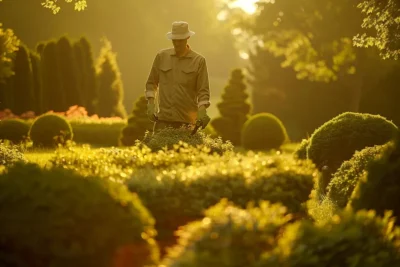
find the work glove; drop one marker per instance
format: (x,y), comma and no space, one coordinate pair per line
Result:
(203,117)
(151,112)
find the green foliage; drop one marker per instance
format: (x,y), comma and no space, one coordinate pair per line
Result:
(79,5)
(53,95)
(50,130)
(68,72)
(14,130)
(228,236)
(23,90)
(338,139)
(359,239)
(233,108)
(97,134)
(55,217)
(8,45)
(379,186)
(383,18)
(169,137)
(263,131)
(111,93)
(10,154)
(37,82)
(138,123)
(346,177)
(301,151)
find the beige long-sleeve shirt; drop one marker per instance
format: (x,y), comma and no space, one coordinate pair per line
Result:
(181,84)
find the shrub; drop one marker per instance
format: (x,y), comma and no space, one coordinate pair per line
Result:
(168,137)
(228,236)
(49,130)
(359,239)
(263,131)
(54,217)
(14,130)
(301,151)
(346,177)
(379,187)
(10,154)
(338,139)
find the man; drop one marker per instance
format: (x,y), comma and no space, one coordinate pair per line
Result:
(179,77)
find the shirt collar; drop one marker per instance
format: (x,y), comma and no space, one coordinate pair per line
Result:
(188,54)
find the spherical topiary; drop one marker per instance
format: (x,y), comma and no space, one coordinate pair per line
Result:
(379,186)
(49,130)
(346,177)
(263,131)
(228,236)
(14,130)
(338,139)
(359,239)
(54,217)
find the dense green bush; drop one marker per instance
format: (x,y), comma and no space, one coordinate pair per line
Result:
(338,139)
(263,131)
(10,154)
(14,130)
(228,236)
(168,137)
(49,130)
(58,218)
(379,187)
(359,239)
(346,177)
(301,151)
(180,195)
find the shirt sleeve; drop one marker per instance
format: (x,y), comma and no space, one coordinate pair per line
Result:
(152,80)
(203,85)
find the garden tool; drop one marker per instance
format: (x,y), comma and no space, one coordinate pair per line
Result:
(198,124)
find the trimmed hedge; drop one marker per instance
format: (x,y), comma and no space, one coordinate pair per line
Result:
(263,131)
(359,239)
(14,130)
(228,236)
(379,187)
(58,218)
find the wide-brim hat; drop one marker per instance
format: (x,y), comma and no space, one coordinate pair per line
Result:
(180,30)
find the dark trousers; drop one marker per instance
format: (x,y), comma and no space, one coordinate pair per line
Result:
(159,125)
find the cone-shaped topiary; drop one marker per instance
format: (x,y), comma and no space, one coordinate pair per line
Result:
(234,109)
(379,186)
(338,139)
(263,131)
(14,130)
(359,239)
(347,176)
(138,124)
(54,217)
(49,130)
(228,236)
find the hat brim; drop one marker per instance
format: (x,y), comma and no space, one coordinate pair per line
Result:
(179,36)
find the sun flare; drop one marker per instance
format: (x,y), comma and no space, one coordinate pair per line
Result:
(248,6)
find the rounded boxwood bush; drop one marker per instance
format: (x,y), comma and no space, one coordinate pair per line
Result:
(14,130)
(359,239)
(379,186)
(338,139)
(228,236)
(346,177)
(49,130)
(54,217)
(263,131)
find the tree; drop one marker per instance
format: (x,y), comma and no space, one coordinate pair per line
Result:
(8,45)
(383,16)
(37,82)
(110,97)
(233,108)
(23,94)
(89,86)
(68,72)
(138,123)
(53,93)
(79,5)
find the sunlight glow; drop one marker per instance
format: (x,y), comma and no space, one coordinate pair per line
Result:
(247,6)
(243,55)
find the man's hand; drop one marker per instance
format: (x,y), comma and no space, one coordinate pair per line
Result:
(203,117)
(151,111)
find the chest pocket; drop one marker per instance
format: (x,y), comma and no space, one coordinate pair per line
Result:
(188,77)
(165,73)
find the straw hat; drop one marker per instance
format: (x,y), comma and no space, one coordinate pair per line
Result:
(180,30)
